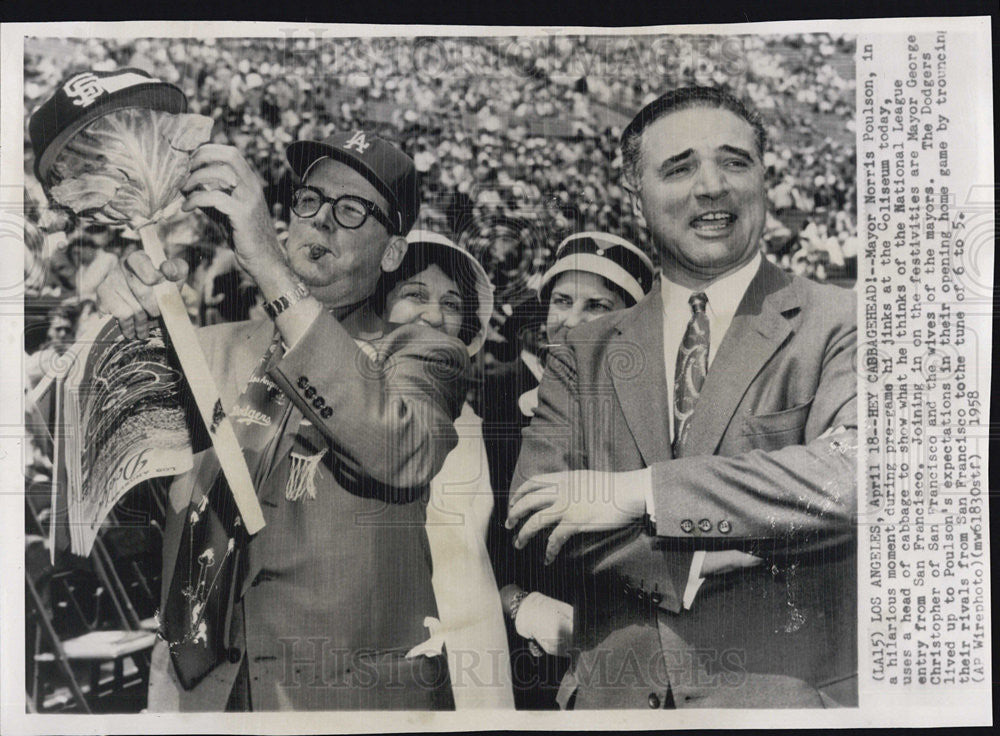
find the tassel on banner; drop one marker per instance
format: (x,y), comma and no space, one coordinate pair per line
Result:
(302,476)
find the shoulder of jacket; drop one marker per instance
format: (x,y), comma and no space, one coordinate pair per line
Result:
(830,302)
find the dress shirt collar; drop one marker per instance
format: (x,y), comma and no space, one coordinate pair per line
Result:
(724,294)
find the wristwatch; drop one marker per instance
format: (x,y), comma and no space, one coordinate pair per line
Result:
(286,300)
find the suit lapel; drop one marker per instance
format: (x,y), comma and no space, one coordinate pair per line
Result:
(757,331)
(643,397)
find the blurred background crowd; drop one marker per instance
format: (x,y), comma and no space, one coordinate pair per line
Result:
(515,140)
(516,145)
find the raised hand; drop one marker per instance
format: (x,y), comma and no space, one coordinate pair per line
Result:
(222,179)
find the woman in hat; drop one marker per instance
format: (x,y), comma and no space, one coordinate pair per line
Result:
(594,274)
(440,285)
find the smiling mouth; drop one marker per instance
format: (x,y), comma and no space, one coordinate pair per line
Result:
(712,223)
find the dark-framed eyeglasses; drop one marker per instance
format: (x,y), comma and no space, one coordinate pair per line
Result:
(349,210)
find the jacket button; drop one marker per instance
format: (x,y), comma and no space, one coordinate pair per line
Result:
(310,392)
(656,596)
(725,527)
(627,589)
(653,700)
(319,402)
(303,382)
(687,526)
(705,525)
(326,413)
(234,654)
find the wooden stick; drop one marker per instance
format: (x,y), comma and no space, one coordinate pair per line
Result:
(206,395)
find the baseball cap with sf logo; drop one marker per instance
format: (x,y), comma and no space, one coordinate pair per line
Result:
(389,170)
(87,95)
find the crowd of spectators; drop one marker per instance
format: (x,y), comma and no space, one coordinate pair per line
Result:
(515,139)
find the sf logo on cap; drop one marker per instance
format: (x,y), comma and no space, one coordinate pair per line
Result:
(83,89)
(358,142)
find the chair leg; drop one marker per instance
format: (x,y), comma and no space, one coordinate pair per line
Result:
(60,653)
(95,679)
(36,681)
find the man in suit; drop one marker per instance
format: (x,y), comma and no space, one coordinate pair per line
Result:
(695,455)
(343,428)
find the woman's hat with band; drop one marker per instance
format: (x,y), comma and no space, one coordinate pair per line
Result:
(604,254)
(83,97)
(483,288)
(389,170)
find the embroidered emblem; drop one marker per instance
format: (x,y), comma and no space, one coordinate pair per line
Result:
(358,142)
(302,475)
(84,89)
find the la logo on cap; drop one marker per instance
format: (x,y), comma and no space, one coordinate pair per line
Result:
(358,142)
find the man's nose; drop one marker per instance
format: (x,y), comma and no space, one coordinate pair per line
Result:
(324,219)
(711,182)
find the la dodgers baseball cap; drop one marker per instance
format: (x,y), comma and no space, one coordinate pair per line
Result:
(382,163)
(84,96)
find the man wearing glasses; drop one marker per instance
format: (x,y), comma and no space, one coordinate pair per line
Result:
(343,428)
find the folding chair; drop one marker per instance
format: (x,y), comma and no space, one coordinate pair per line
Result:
(94,650)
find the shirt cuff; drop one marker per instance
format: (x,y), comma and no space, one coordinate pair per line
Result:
(646,483)
(694,578)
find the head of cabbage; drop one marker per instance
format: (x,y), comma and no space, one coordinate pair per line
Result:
(127,166)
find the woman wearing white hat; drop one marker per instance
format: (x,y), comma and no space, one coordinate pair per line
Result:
(440,285)
(594,274)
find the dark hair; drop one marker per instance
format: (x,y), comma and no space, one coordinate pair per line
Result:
(61,311)
(546,293)
(421,256)
(684,98)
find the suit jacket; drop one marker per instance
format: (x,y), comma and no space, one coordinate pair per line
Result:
(337,586)
(771,469)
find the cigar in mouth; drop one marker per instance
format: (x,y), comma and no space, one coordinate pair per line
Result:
(317,251)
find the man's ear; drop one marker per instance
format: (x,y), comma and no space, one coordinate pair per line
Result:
(394,253)
(634,199)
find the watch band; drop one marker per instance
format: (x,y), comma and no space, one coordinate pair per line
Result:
(515,606)
(515,603)
(287,300)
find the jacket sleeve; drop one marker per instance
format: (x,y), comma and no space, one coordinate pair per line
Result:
(796,498)
(553,441)
(388,412)
(626,559)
